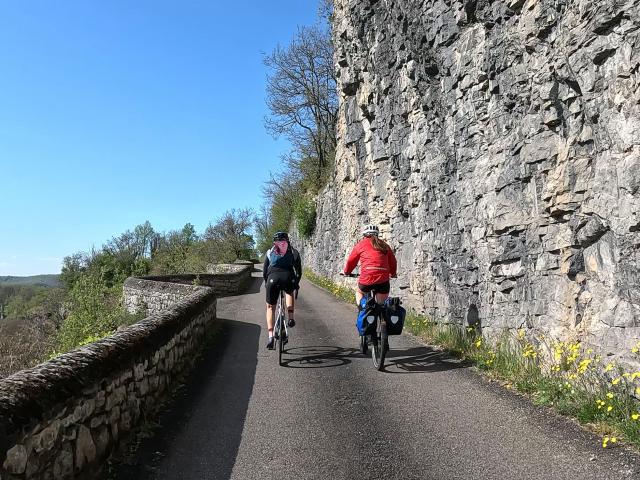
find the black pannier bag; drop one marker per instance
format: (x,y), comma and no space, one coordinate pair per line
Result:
(395,315)
(366,318)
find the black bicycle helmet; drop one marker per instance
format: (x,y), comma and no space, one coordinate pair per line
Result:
(280,236)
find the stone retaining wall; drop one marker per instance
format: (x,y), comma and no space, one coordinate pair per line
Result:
(62,418)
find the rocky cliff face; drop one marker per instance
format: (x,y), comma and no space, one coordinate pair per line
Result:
(497,144)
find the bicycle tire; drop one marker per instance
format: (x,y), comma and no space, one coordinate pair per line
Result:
(281,332)
(378,350)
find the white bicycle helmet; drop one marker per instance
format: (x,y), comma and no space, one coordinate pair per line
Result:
(370,230)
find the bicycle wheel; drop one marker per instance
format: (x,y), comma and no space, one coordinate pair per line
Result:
(378,349)
(281,332)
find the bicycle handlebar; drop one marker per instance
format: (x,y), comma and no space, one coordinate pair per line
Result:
(352,275)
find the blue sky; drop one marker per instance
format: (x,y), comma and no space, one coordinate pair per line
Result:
(117,112)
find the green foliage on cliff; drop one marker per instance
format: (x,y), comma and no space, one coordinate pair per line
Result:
(305,216)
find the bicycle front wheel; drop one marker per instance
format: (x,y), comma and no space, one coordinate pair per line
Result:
(378,350)
(281,340)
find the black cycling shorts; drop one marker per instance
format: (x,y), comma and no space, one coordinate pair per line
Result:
(383,287)
(277,281)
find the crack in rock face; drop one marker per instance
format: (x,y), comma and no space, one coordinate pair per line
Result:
(497,145)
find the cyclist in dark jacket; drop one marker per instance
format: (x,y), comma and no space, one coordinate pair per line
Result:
(282,270)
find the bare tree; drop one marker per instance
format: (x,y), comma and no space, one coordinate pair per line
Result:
(302,97)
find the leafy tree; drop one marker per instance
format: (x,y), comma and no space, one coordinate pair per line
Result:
(230,235)
(72,268)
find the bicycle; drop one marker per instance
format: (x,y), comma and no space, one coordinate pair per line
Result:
(379,340)
(280,330)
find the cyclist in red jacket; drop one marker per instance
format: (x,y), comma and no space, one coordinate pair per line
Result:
(377,265)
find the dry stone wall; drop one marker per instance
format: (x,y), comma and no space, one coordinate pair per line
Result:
(157,293)
(62,418)
(497,144)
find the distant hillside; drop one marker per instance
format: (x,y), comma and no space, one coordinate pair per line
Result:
(41,280)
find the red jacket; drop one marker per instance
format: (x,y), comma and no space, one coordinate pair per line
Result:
(375,266)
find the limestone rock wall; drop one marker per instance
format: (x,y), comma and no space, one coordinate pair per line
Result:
(497,144)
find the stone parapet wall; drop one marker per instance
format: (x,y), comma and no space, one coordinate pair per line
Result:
(62,418)
(497,145)
(154,293)
(65,416)
(154,296)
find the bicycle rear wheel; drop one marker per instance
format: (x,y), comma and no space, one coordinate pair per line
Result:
(378,350)
(282,331)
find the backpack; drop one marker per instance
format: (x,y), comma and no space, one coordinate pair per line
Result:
(280,255)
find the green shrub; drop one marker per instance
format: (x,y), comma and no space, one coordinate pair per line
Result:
(305,216)
(95,311)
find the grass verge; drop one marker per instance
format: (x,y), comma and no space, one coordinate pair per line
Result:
(567,376)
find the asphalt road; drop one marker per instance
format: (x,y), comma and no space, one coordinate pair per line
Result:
(329,415)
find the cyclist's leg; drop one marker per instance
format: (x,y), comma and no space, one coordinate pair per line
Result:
(359,296)
(361,292)
(272,293)
(290,301)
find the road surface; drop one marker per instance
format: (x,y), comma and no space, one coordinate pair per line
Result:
(329,415)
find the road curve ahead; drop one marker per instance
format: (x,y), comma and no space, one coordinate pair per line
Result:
(329,415)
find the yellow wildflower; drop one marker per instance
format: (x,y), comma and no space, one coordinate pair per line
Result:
(609,367)
(609,408)
(609,395)
(637,390)
(478,343)
(635,416)
(616,381)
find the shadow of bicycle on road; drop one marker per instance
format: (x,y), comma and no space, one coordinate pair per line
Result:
(421,360)
(318,356)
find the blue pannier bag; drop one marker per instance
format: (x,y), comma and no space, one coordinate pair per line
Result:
(395,315)
(366,320)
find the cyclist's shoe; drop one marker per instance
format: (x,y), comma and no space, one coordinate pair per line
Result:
(271,344)
(291,323)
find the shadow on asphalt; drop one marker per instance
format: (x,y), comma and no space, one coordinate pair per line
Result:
(254,286)
(420,360)
(215,415)
(318,356)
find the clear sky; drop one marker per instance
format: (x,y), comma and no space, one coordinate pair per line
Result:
(115,112)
